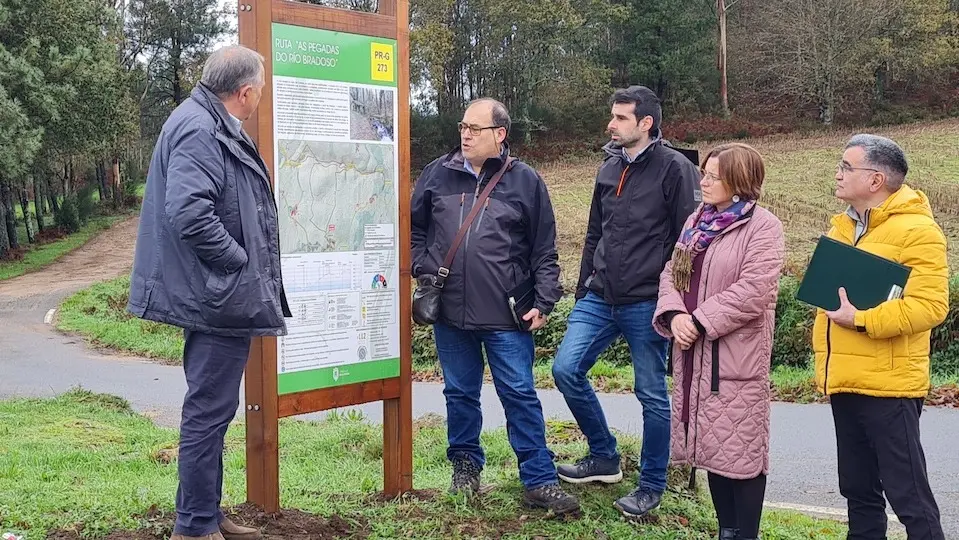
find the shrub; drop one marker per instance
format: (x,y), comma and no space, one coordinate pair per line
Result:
(86,206)
(68,219)
(792,345)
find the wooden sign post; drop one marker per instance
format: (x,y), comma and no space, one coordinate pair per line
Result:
(333,127)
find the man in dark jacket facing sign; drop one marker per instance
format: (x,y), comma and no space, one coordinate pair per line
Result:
(644,192)
(208,260)
(511,239)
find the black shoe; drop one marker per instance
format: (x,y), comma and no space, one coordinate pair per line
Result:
(728,534)
(466,476)
(551,497)
(638,503)
(591,469)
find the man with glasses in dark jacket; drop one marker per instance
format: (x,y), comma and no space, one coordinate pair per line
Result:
(511,241)
(643,195)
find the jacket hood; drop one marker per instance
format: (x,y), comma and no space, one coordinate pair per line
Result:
(904,201)
(614,149)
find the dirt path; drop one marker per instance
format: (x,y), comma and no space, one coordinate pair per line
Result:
(107,256)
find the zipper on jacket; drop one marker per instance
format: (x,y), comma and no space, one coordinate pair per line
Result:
(622,180)
(482,213)
(825,378)
(466,245)
(462,204)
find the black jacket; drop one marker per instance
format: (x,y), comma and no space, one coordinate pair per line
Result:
(637,214)
(511,239)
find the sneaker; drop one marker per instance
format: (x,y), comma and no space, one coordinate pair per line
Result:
(551,497)
(638,503)
(466,476)
(214,536)
(591,469)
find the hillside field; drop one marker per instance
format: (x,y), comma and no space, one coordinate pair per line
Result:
(799,187)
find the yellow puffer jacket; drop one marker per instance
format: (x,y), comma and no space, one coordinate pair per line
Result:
(891,359)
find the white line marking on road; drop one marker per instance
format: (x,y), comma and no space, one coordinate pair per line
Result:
(820,510)
(48,319)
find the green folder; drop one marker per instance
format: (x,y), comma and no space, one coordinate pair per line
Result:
(869,279)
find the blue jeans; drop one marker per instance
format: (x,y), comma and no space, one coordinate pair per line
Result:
(213,366)
(594,325)
(510,356)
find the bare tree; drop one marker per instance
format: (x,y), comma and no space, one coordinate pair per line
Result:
(817,51)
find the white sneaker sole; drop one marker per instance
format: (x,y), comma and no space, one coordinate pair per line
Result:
(604,478)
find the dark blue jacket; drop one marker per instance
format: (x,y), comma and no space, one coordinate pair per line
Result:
(207,252)
(512,238)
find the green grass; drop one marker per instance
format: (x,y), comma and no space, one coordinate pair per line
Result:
(98,313)
(41,255)
(85,462)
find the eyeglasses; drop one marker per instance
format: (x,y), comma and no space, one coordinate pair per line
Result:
(710,178)
(474,129)
(847,168)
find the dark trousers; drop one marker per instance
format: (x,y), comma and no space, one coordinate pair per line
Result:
(213,366)
(880,452)
(738,503)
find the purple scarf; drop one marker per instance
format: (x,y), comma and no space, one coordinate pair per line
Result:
(708,224)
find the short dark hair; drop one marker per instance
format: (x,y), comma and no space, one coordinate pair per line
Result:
(885,154)
(500,114)
(646,101)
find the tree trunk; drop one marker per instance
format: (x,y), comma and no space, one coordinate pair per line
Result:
(723,88)
(38,201)
(67,176)
(117,184)
(52,196)
(4,240)
(25,207)
(6,196)
(102,182)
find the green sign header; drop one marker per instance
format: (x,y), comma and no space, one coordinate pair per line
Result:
(310,53)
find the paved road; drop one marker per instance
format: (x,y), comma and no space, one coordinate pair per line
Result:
(37,361)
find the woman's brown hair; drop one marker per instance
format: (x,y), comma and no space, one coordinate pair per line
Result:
(740,168)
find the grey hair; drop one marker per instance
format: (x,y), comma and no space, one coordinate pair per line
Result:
(231,68)
(498,111)
(885,155)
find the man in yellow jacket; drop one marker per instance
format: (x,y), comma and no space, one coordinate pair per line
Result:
(874,363)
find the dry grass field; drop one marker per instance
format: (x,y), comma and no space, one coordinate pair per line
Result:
(799,184)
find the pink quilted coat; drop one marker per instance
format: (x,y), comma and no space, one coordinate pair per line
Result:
(728,429)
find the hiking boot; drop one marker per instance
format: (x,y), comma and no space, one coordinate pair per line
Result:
(551,497)
(638,503)
(214,536)
(728,534)
(232,531)
(591,469)
(466,476)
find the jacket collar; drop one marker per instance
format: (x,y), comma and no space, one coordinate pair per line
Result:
(228,133)
(457,162)
(905,200)
(615,150)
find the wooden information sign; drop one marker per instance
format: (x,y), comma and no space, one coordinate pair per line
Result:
(333,127)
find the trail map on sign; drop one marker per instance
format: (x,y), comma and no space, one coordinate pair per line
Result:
(334,195)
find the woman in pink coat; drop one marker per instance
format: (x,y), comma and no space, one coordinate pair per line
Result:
(717,302)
